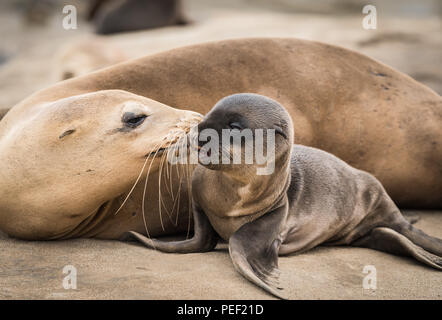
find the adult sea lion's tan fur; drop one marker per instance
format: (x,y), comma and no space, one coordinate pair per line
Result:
(371,116)
(65,162)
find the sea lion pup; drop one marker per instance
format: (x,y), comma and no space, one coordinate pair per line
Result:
(90,148)
(311,198)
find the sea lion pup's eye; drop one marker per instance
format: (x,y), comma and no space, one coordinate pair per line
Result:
(280,131)
(236,125)
(133,120)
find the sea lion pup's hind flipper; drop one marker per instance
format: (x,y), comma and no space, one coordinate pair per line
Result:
(254,250)
(412,218)
(388,240)
(205,238)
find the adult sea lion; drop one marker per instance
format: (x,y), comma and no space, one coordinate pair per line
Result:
(369,115)
(311,198)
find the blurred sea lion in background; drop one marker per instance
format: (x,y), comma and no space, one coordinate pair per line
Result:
(37,12)
(113,16)
(84,56)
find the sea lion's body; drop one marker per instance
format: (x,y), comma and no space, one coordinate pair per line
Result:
(328,200)
(311,198)
(371,116)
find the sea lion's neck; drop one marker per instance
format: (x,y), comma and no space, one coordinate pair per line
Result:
(256,193)
(234,200)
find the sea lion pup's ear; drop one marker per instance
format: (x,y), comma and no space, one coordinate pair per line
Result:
(254,250)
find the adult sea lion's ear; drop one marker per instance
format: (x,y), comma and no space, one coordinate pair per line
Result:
(254,250)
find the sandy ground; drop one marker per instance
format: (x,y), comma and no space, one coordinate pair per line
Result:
(407,38)
(116,270)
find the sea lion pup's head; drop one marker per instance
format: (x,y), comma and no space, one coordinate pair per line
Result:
(74,154)
(258,129)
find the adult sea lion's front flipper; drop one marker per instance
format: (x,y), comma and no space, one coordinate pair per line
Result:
(254,250)
(204,239)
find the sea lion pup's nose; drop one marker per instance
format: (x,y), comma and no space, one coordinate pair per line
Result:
(190,120)
(192,116)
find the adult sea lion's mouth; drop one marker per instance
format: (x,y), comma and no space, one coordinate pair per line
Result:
(155,153)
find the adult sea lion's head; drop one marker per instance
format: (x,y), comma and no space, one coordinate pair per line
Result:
(76,153)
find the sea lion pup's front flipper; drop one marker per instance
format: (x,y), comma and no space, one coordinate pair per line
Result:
(254,250)
(204,239)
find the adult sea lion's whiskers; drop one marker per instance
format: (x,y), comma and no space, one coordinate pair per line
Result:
(160,198)
(182,142)
(135,184)
(172,147)
(144,191)
(189,195)
(188,175)
(176,200)
(161,204)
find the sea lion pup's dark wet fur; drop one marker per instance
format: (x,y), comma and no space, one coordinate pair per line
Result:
(312,198)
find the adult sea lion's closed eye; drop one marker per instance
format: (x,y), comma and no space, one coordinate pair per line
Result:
(133,120)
